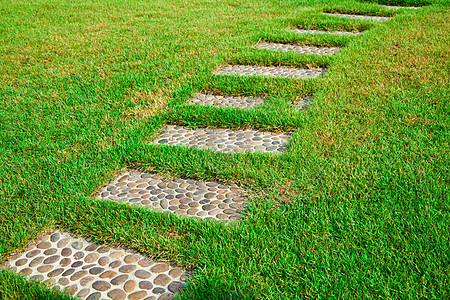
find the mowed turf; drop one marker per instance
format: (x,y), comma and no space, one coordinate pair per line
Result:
(359,206)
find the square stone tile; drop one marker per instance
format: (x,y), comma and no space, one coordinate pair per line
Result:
(226,101)
(187,197)
(90,271)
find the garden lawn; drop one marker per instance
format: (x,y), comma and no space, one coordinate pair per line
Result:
(357,208)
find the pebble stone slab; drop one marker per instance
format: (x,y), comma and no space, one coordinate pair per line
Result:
(360,17)
(226,101)
(224,140)
(302,104)
(206,200)
(289,72)
(324,32)
(93,272)
(298,48)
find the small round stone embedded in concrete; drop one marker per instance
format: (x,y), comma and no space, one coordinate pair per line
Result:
(359,17)
(196,198)
(288,72)
(313,31)
(298,48)
(127,276)
(226,101)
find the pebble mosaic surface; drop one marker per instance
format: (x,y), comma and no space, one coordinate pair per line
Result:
(224,140)
(360,17)
(93,272)
(298,48)
(207,200)
(226,101)
(270,71)
(323,31)
(302,104)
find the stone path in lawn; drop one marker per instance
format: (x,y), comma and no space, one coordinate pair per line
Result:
(323,31)
(359,17)
(226,101)
(289,72)
(302,104)
(201,199)
(91,271)
(224,140)
(298,48)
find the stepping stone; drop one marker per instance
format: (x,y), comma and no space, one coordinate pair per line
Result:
(201,199)
(226,101)
(302,104)
(324,32)
(360,17)
(289,72)
(90,271)
(224,140)
(298,48)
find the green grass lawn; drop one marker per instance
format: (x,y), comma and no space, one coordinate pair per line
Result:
(358,208)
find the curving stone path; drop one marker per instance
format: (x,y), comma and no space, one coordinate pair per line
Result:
(289,72)
(224,140)
(298,48)
(226,101)
(90,271)
(359,17)
(206,200)
(324,32)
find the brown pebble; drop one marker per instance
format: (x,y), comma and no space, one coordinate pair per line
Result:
(108,274)
(101,286)
(117,294)
(83,293)
(65,262)
(174,273)
(63,281)
(33,253)
(45,269)
(117,255)
(131,258)
(129,286)
(44,245)
(21,262)
(26,271)
(51,259)
(72,289)
(66,252)
(137,295)
(145,285)
(78,275)
(55,272)
(166,296)
(161,279)
(103,261)
(62,243)
(86,280)
(36,261)
(115,264)
(175,286)
(159,268)
(91,257)
(50,251)
(119,279)
(127,268)
(144,262)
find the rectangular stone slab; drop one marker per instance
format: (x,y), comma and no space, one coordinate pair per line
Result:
(226,101)
(224,140)
(323,31)
(201,199)
(298,48)
(91,271)
(359,17)
(289,72)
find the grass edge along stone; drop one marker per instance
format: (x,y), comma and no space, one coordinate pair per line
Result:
(91,271)
(226,101)
(304,49)
(289,72)
(224,140)
(187,197)
(359,17)
(314,31)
